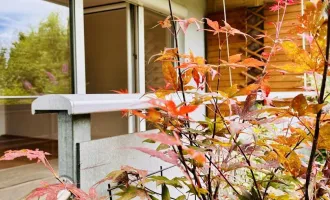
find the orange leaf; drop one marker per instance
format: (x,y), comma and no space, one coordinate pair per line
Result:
(199,157)
(166,23)
(252,62)
(248,89)
(235,58)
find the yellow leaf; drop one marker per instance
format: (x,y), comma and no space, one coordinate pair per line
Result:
(231,91)
(169,73)
(168,55)
(162,93)
(293,164)
(299,104)
(314,108)
(294,68)
(324,140)
(187,76)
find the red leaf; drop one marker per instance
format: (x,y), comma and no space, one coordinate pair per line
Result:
(171,108)
(196,77)
(121,91)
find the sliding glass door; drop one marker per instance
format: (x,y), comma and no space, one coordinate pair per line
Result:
(109,62)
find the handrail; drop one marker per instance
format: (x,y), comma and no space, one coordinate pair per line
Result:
(76,104)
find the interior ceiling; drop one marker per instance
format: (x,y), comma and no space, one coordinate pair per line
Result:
(214,5)
(91,3)
(217,5)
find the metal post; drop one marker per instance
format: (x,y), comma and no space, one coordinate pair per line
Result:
(72,129)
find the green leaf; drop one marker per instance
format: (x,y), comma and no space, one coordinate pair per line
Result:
(162,147)
(182,197)
(148,141)
(165,193)
(118,176)
(160,180)
(152,197)
(127,194)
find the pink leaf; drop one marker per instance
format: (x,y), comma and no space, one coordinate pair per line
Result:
(30,154)
(162,138)
(214,25)
(213,73)
(27,85)
(52,78)
(92,193)
(236,127)
(50,191)
(184,24)
(157,154)
(65,68)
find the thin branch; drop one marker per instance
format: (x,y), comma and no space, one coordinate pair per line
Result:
(242,152)
(318,116)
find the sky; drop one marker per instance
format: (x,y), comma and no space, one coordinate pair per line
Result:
(22,15)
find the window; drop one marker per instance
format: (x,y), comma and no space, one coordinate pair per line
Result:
(34,60)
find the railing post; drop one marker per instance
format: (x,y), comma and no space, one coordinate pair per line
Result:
(72,129)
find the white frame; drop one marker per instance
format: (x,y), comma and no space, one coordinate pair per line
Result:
(141,79)
(78,46)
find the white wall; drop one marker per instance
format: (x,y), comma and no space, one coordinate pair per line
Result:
(194,40)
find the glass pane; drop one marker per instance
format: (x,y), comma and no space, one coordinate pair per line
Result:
(106,65)
(34,48)
(156,39)
(34,60)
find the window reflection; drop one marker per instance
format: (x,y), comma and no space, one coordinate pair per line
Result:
(34,48)
(34,60)
(156,39)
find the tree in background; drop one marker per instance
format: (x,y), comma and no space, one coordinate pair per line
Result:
(38,62)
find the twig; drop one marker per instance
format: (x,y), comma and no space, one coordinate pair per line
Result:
(318,116)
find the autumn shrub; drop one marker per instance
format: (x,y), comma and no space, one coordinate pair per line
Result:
(255,153)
